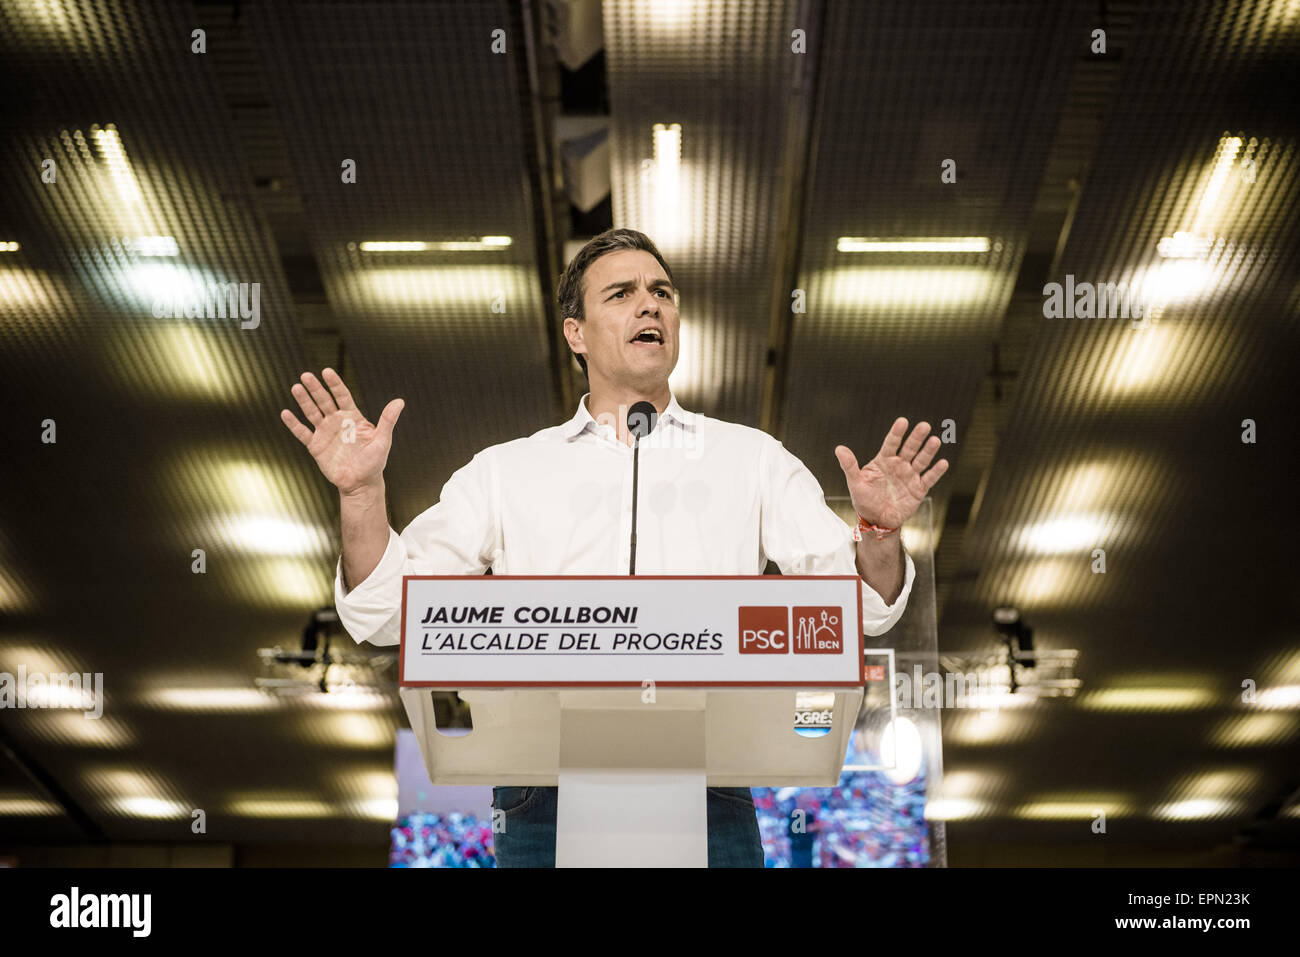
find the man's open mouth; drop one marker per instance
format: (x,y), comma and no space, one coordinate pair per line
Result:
(649,337)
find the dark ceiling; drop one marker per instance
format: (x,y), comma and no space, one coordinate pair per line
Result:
(1070,434)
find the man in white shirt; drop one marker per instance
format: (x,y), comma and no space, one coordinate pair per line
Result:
(715,498)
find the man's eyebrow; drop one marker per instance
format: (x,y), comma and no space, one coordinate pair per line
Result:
(631,284)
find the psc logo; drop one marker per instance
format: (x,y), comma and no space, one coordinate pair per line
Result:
(764,629)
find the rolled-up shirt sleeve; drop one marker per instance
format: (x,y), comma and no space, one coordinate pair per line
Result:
(460,535)
(804,536)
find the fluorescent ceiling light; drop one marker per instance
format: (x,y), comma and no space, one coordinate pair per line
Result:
(667,195)
(167,284)
(1225,156)
(472,245)
(1176,280)
(235,700)
(9,247)
(272,807)
(1067,534)
(1148,699)
(281,582)
(208,700)
(393,247)
(1183,245)
(930,244)
(61,727)
(892,293)
(668,145)
(1073,810)
(1249,730)
(184,360)
(51,696)
(1142,361)
(270,535)
(154,245)
(377,809)
(954,809)
(22,289)
(346,729)
(1287,696)
(1173,282)
(1195,809)
(438,287)
(152,808)
(27,807)
(987,727)
(110,147)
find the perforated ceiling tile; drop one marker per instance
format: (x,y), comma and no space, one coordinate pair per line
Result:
(722,73)
(1072,435)
(434,121)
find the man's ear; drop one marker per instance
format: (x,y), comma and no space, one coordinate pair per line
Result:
(573,334)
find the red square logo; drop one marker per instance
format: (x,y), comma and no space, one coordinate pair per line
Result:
(764,629)
(818,630)
(874,673)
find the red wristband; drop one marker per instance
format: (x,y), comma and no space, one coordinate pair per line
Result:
(865,526)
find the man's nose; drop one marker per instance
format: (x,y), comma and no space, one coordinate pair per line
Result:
(647,304)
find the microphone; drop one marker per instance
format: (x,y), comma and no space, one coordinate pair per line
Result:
(640,422)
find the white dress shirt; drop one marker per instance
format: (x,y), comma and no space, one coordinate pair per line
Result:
(714,498)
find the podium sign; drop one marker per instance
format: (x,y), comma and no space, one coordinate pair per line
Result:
(625,631)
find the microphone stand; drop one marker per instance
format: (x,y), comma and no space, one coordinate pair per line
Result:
(640,419)
(636,449)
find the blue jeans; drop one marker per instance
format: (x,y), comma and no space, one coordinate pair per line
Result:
(529,836)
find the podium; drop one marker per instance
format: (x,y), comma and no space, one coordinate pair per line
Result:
(634,694)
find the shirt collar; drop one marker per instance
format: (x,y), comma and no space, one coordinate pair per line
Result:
(582,419)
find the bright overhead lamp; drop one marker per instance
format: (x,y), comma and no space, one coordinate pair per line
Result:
(668,164)
(885,290)
(114,153)
(286,808)
(954,809)
(151,808)
(1286,696)
(1148,699)
(1184,245)
(925,244)
(1238,731)
(232,700)
(386,247)
(471,245)
(1225,156)
(1069,533)
(1080,809)
(270,535)
(1184,280)
(668,145)
(1195,809)
(9,247)
(154,245)
(28,807)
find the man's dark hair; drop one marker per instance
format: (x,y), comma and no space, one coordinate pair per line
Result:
(569,294)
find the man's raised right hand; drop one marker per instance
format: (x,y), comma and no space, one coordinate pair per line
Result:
(350,451)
